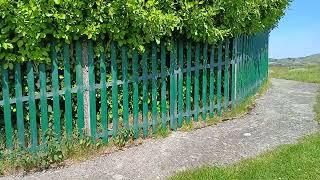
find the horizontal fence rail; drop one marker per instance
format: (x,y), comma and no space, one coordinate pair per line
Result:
(97,88)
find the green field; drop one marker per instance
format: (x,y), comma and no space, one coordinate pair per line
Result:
(298,161)
(306,69)
(310,73)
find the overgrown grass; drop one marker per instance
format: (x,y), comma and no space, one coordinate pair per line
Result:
(308,73)
(299,161)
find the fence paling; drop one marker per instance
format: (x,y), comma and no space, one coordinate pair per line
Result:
(204,81)
(19,105)
(180,83)
(114,89)
(163,87)
(233,73)
(125,113)
(7,109)
(145,94)
(212,77)
(196,83)
(172,88)
(188,88)
(226,76)
(92,92)
(219,76)
(104,108)
(154,88)
(67,83)
(55,89)
(79,79)
(43,101)
(135,94)
(32,105)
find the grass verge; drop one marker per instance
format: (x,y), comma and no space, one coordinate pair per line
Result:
(299,161)
(308,74)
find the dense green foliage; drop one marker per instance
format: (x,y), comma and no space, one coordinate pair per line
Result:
(28,25)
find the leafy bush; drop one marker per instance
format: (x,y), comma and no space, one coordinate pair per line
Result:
(27,26)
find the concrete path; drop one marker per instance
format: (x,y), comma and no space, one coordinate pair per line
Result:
(281,116)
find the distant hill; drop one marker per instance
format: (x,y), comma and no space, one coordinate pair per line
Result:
(301,61)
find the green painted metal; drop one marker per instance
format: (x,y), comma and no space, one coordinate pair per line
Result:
(104,108)
(114,73)
(92,91)
(211,82)
(32,105)
(154,66)
(43,102)
(188,84)
(55,92)
(173,87)
(163,87)
(196,83)
(204,82)
(180,83)
(226,76)
(233,72)
(135,94)
(145,94)
(219,79)
(7,109)
(125,92)
(67,84)
(79,79)
(19,106)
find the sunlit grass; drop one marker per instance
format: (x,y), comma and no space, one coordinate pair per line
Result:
(299,161)
(309,74)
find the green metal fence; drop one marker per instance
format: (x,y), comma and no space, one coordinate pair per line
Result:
(97,91)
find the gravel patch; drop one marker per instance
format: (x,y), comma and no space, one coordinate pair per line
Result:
(281,116)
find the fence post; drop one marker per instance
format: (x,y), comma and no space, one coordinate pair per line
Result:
(85,76)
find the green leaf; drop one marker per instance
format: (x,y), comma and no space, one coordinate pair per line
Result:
(57,1)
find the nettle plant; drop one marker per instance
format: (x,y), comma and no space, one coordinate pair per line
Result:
(28,26)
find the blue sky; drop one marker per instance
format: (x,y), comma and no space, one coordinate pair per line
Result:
(298,33)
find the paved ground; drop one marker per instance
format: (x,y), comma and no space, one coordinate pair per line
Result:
(281,116)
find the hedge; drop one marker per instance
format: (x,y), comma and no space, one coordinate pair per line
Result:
(28,26)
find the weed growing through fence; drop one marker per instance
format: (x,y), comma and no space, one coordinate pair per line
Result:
(161,132)
(124,135)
